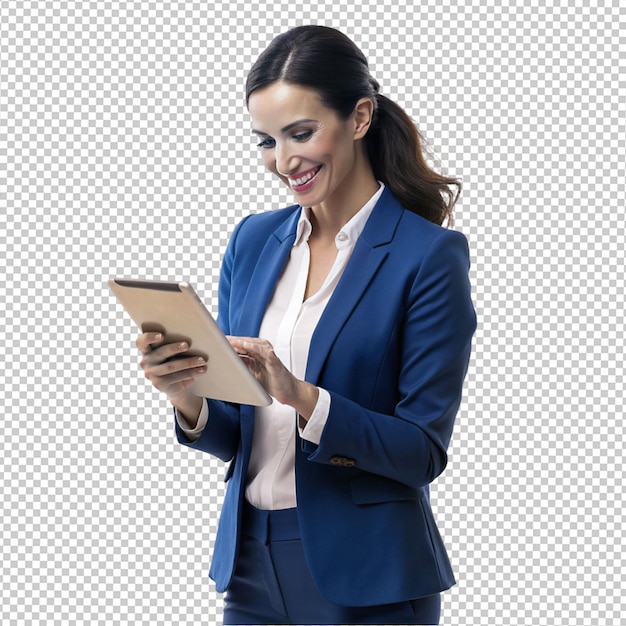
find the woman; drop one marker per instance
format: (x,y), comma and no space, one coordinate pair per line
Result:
(353,309)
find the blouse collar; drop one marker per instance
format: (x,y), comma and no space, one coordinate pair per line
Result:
(350,232)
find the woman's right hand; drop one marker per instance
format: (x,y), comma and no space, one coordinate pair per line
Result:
(166,367)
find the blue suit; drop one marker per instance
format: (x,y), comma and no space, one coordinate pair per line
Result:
(392,348)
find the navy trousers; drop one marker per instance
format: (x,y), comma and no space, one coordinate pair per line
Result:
(273,585)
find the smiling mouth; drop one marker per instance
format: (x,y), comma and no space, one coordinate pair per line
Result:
(305,180)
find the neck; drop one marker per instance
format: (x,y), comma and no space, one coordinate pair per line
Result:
(329,217)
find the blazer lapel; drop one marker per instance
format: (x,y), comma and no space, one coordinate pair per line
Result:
(265,275)
(369,253)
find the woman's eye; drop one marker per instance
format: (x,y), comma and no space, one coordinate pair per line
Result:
(303,136)
(266,143)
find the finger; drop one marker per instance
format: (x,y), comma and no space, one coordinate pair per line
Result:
(176,366)
(179,387)
(186,376)
(169,381)
(146,341)
(174,385)
(236,343)
(251,345)
(163,353)
(261,351)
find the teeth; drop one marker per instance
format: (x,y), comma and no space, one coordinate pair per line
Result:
(304,179)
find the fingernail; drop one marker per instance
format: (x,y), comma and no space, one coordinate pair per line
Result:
(200,360)
(182,345)
(158,337)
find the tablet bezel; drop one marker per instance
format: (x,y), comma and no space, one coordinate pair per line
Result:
(175,309)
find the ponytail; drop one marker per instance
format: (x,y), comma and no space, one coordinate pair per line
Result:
(395,149)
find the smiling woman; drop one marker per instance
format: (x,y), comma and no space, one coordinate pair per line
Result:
(352,308)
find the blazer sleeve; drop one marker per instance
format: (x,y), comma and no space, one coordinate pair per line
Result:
(408,444)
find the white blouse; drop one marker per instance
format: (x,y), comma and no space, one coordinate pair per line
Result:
(288,325)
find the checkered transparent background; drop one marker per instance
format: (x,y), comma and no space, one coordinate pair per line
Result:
(125,150)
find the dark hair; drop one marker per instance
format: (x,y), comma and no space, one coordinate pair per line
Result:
(327,61)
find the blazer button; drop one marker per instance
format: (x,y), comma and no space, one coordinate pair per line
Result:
(342,461)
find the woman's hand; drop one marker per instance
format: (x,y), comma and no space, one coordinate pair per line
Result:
(278,381)
(166,367)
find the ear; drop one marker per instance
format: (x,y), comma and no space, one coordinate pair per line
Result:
(362,115)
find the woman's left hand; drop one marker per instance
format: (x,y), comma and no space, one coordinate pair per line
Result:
(278,381)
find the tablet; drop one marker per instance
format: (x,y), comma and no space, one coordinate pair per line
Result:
(175,310)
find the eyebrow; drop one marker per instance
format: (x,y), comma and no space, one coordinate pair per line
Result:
(285,128)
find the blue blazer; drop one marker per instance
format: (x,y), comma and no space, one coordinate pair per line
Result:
(392,348)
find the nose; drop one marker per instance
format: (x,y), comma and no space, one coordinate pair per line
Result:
(284,158)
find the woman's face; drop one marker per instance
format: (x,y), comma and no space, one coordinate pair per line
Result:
(306,144)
